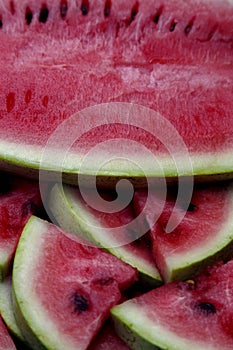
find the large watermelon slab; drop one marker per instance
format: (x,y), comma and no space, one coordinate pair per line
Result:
(193,315)
(114,231)
(63,290)
(200,236)
(58,57)
(19,199)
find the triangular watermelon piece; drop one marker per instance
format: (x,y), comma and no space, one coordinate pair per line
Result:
(63,290)
(75,215)
(194,315)
(174,58)
(201,235)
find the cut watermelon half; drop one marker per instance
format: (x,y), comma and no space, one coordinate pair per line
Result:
(19,200)
(6,343)
(73,214)
(200,238)
(61,57)
(193,315)
(63,290)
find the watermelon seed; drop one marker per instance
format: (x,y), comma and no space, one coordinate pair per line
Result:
(1,23)
(28,96)
(85,7)
(63,8)
(206,308)
(158,14)
(172,26)
(107,8)
(134,11)
(28,15)
(44,13)
(80,303)
(10,101)
(12,7)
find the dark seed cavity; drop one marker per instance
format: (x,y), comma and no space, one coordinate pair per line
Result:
(134,11)
(158,14)
(63,8)
(206,308)
(28,15)
(172,26)
(107,8)
(12,7)
(80,303)
(189,26)
(1,24)
(44,14)
(10,102)
(85,7)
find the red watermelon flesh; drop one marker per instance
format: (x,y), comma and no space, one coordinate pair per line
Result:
(6,343)
(19,199)
(201,235)
(107,339)
(72,286)
(196,314)
(175,58)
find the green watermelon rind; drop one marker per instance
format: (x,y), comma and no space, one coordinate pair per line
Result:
(27,160)
(135,328)
(182,266)
(30,315)
(71,216)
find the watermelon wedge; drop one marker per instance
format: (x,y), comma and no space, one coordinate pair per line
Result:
(19,199)
(59,58)
(63,290)
(193,315)
(6,343)
(113,231)
(200,238)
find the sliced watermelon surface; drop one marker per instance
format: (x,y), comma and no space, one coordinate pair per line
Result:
(200,238)
(6,343)
(194,315)
(113,231)
(68,288)
(19,199)
(60,57)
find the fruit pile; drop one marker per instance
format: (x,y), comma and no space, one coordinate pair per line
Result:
(111,90)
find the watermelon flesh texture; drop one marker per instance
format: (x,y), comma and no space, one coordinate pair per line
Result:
(200,238)
(19,199)
(78,215)
(71,287)
(196,314)
(60,57)
(6,343)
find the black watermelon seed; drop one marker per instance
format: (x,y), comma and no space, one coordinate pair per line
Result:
(172,26)
(1,24)
(28,15)
(206,308)
(189,26)
(134,11)
(44,14)
(107,8)
(63,8)
(158,14)
(80,303)
(85,7)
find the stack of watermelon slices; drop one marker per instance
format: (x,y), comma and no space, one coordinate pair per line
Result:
(76,74)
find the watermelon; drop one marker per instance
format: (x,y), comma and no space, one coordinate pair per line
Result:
(19,199)
(200,236)
(63,290)
(117,231)
(6,343)
(163,73)
(195,315)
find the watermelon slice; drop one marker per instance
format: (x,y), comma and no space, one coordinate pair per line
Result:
(63,290)
(194,315)
(20,199)
(113,231)
(6,343)
(59,57)
(200,238)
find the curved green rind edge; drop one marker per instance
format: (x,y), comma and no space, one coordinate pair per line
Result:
(61,204)
(7,310)
(27,160)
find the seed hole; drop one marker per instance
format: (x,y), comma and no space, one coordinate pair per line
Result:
(206,308)
(1,24)
(10,102)
(158,14)
(107,8)
(172,26)
(134,11)
(44,13)
(28,16)
(85,7)
(63,8)
(12,7)
(189,26)
(80,303)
